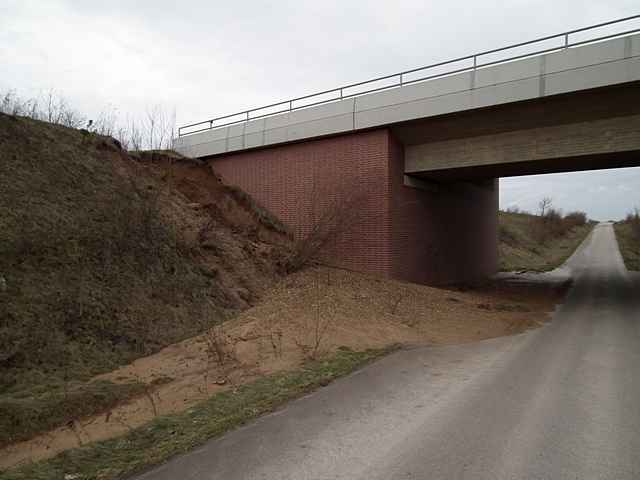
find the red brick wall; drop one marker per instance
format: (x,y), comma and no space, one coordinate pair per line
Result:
(298,181)
(444,236)
(427,237)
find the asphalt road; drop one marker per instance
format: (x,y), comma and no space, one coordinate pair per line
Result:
(559,402)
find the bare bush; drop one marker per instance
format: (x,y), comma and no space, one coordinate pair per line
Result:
(275,337)
(335,212)
(220,346)
(159,128)
(155,131)
(315,335)
(52,108)
(575,219)
(551,223)
(333,220)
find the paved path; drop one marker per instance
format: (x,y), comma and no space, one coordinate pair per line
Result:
(559,402)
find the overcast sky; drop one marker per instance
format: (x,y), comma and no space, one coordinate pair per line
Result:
(209,58)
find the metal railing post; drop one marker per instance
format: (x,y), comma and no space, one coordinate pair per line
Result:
(475,61)
(566,40)
(400,79)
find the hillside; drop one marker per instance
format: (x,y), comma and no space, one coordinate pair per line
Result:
(627,234)
(521,247)
(108,256)
(137,290)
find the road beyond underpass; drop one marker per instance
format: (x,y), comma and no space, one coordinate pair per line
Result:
(558,402)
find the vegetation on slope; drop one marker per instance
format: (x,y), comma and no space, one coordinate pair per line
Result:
(628,236)
(538,242)
(106,257)
(173,434)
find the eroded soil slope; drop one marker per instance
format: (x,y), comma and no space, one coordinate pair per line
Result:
(107,256)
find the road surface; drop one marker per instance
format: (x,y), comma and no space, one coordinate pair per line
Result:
(559,402)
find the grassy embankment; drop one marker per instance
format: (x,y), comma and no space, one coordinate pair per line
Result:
(628,237)
(105,257)
(109,256)
(522,245)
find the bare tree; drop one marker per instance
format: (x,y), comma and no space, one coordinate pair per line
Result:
(544,205)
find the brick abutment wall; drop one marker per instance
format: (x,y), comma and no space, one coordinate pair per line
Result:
(445,236)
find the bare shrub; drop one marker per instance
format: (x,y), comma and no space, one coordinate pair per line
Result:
(315,335)
(220,346)
(575,219)
(264,216)
(275,337)
(546,223)
(337,218)
(550,222)
(553,223)
(155,131)
(507,235)
(396,303)
(159,128)
(52,108)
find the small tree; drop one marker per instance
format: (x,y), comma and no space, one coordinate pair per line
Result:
(544,205)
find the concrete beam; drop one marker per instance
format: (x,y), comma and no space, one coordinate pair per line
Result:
(596,65)
(420,184)
(593,137)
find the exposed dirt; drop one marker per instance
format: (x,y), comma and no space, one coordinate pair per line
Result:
(107,256)
(320,307)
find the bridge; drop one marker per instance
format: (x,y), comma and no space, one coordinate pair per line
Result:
(422,150)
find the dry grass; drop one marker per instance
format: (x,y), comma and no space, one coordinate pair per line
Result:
(170,435)
(108,257)
(520,245)
(359,311)
(101,263)
(629,242)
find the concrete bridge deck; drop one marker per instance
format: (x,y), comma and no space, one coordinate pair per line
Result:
(423,160)
(573,69)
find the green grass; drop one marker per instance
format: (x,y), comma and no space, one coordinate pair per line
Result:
(170,435)
(49,405)
(519,250)
(629,245)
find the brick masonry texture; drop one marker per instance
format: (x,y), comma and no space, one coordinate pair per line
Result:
(393,230)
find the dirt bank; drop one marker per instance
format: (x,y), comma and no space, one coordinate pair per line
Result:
(308,314)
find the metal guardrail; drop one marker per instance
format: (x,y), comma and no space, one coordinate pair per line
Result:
(341,93)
